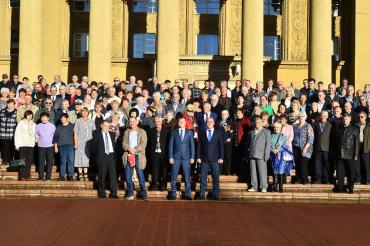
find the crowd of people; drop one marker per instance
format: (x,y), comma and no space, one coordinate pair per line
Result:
(131,130)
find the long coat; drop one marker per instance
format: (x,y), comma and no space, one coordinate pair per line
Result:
(139,149)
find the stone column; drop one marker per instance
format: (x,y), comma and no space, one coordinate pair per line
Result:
(100,40)
(252,40)
(30,39)
(361,44)
(321,45)
(168,40)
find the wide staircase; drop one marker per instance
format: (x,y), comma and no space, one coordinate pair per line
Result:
(230,189)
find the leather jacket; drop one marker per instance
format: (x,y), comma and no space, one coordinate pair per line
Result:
(348,143)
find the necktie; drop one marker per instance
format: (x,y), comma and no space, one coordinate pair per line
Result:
(106,143)
(209,135)
(206,117)
(181,135)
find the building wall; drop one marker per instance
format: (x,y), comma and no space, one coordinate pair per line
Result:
(59,24)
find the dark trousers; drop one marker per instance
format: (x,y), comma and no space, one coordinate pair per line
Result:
(45,154)
(345,169)
(107,168)
(7,150)
(365,167)
(357,171)
(185,171)
(26,153)
(159,171)
(301,167)
(228,148)
(322,167)
(214,168)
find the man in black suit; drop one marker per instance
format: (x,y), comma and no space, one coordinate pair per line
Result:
(103,148)
(322,131)
(158,138)
(210,154)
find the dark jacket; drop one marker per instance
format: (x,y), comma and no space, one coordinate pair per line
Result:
(163,141)
(367,139)
(98,147)
(322,139)
(211,151)
(348,143)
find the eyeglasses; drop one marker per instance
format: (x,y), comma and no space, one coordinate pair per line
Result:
(48,103)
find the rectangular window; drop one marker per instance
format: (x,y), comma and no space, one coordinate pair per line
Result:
(211,7)
(207,44)
(336,48)
(14,41)
(272,7)
(80,44)
(81,5)
(144,43)
(272,47)
(145,6)
(14,3)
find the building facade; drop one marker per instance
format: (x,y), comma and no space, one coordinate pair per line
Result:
(287,40)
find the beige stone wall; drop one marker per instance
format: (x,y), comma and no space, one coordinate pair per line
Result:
(58,25)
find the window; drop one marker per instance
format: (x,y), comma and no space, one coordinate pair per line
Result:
(207,7)
(272,47)
(336,48)
(14,41)
(272,7)
(207,44)
(80,44)
(14,3)
(145,6)
(81,5)
(144,43)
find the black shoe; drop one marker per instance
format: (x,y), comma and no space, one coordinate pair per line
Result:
(188,198)
(22,179)
(215,198)
(62,178)
(113,196)
(350,192)
(336,190)
(171,198)
(102,196)
(71,178)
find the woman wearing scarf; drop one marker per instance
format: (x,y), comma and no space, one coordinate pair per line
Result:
(281,157)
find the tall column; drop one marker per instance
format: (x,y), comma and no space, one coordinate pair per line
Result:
(30,39)
(252,40)
(100,40)
(168,40)
(321,46)
(361,44)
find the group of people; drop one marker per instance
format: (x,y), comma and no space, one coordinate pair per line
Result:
(130,130)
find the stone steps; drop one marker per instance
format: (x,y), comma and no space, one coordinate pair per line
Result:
(225,195)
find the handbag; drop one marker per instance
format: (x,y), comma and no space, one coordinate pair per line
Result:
(17,163)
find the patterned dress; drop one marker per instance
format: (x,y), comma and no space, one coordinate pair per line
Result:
(282,162)
(84,130)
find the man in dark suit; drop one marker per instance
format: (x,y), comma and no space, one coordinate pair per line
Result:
(347,152)
(210,154)
(57,102)
(322,131)
(103,148)
(181,152)
(203,117)
(158,153)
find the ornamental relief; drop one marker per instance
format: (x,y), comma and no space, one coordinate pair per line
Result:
(117,29)
(298,30)
(235,33)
